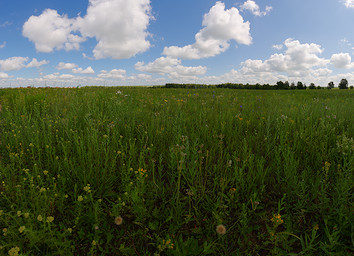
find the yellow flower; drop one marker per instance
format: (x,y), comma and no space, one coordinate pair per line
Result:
(316,227)
(118,220)
(277,219)
(39,218)
(94,242)
(14,251)
(21,229)
(80,198)
(220,229)
(232,190)
(50,219)
(26,215)
(19,213)
(70,230)
(45,172)
(87,188)
(42,190)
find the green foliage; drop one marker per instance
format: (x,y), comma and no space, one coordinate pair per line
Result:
(140,171)
(343,84)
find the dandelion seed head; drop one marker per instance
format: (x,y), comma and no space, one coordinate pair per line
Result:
(118,220)
(220,229)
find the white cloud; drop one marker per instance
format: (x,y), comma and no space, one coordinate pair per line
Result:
(13,63)
(50,31)
(63,65)
(113,74)
(342,60)
(277,46)
(170,66)
(119,26)
(3,45)
(251,6)
(298,59)
(35,63)
(348,3)
(86,71)
(66,76)
(3,75)
(220,26)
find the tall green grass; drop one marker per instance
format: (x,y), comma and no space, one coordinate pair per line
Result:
(275,168)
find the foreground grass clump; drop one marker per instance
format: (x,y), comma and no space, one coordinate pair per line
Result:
(139,171)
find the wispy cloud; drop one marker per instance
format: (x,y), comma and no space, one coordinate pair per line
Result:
(348,3)
(3,45)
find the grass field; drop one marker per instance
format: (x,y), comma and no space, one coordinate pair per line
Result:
(142,171)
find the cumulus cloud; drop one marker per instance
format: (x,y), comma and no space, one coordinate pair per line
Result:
(348,3)
(119,26)
(35,63)
(3,75)
(50,31)
(220,26)
(13,63)
(63,65)
(342,60)
(86,71)
(17,63)
(170,66)
(251,6)
(113,74)
(298,59)
(3,45)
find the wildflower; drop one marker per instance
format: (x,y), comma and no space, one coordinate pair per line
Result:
(70,230)
(316,227)
(87,188)
(42,190)
(118,220)
(19,213)
(277,219)
(94,242)
(168,244)
(39,218)
(21,229)
(45,172)
(50,219)
(80,198)
(4,230)
(66,196)
(14,251)
(26,215)
(220,229)
(232,190)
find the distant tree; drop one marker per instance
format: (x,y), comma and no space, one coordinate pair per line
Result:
(330,85)
(319,87)
(280,85)
(351,87)
(292,86)
(286,85)
(312,86)
(343,84)
(299,85)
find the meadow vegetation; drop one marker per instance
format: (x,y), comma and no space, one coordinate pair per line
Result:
(156,171)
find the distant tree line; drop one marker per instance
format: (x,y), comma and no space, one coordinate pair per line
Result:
(280,85)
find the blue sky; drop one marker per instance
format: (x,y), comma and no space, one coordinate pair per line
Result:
(146,42)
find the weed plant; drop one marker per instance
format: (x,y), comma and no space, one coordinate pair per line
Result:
(141,171)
